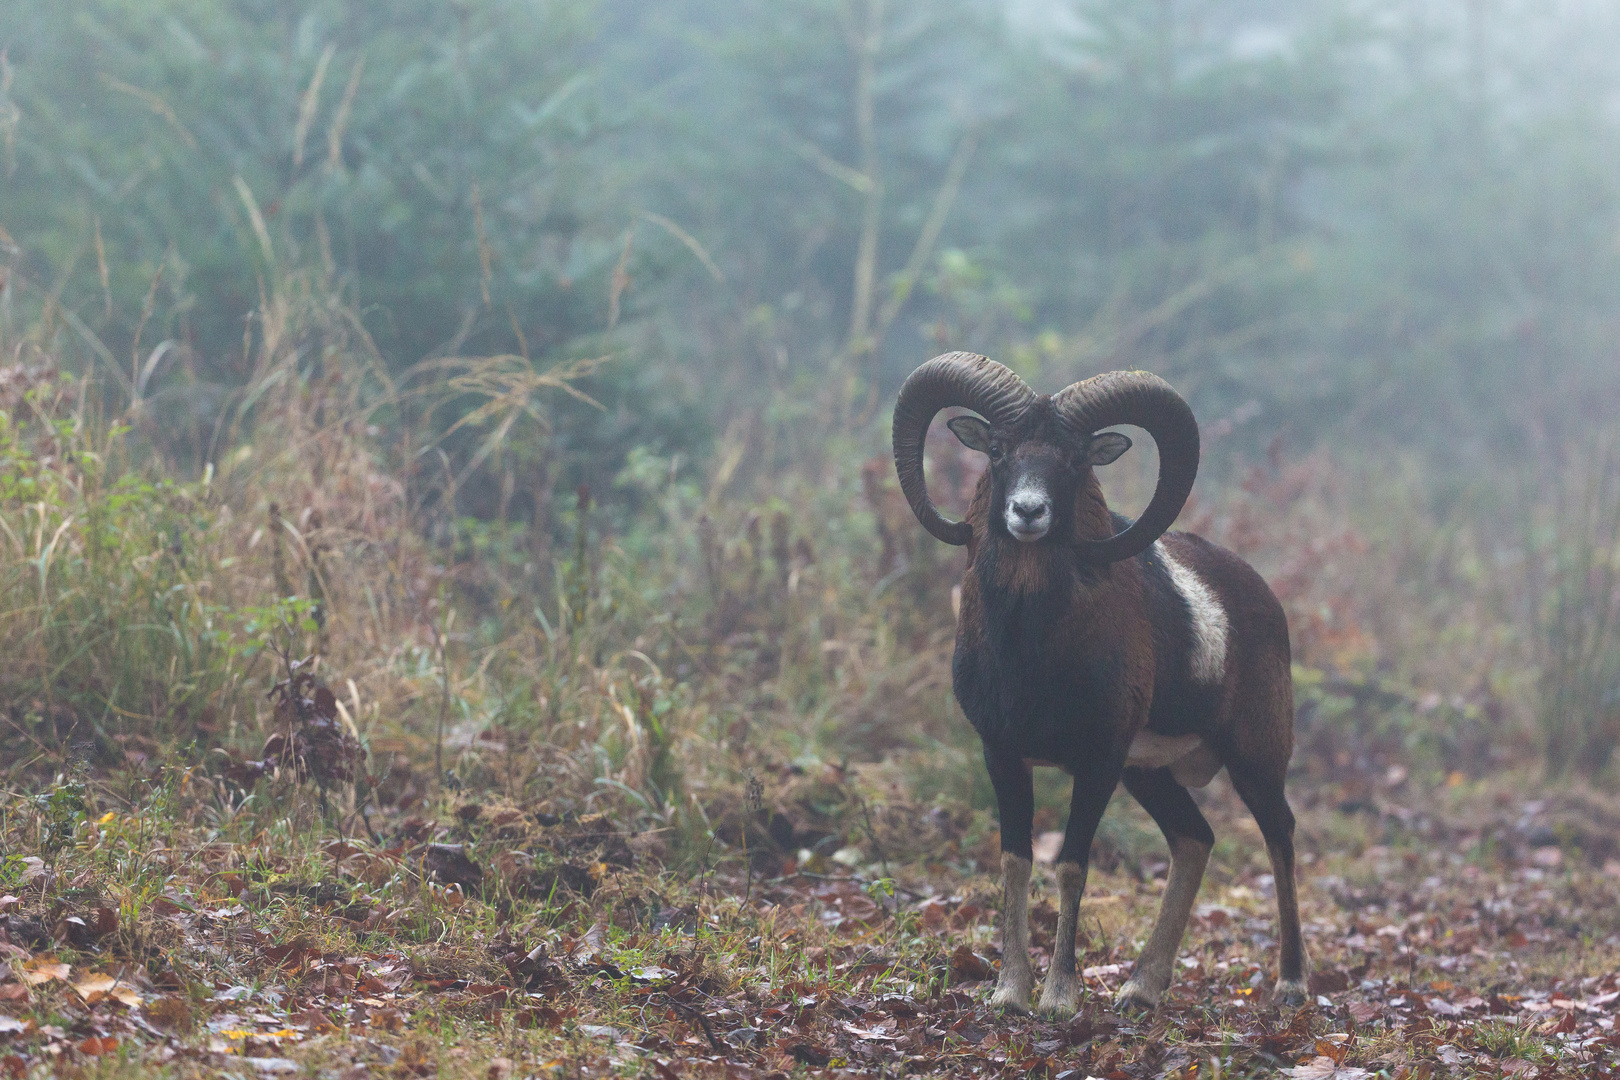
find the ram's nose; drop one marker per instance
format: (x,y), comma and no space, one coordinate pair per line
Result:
(1028,516)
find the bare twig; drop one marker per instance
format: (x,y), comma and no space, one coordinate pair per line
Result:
(692,1014)
(865,44)
(928,236)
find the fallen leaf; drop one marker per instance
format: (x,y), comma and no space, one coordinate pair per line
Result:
(1330,1050)
(97,988)
(172,909)
(169,1012)
(811,1055)
(1365,1012)
(653,973)
(95,1047)
(42,969)
(450,896)
(452,866)
(968,966)
(543,1017)
(314,1021)
(388,1019)
(1325,1068)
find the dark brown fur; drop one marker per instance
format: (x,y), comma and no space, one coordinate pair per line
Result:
(1108,612)
(1062,662)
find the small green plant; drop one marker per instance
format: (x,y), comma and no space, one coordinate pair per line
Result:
(12,869)
(61,810)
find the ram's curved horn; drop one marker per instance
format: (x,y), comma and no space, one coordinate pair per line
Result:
(1147,401)
(962,379)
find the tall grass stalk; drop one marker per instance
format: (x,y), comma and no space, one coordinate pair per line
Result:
(1580,633)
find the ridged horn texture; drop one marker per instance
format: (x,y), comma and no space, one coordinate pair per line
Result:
(1147,401)
(966,380)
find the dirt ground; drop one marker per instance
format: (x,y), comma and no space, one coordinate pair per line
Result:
(1460,930)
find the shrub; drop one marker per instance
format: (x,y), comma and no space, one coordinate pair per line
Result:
(107,621)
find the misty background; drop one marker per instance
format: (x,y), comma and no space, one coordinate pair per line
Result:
(1378,240)
(1391,223)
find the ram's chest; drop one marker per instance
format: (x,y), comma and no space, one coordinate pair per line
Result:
(1038,687)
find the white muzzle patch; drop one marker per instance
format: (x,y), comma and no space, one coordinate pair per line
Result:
(1028,512)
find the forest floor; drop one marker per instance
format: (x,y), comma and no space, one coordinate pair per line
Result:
(1462,930)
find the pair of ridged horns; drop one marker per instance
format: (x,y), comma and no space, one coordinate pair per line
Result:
(970,381)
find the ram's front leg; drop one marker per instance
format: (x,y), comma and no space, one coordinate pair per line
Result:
(1015,803)
(1093,786)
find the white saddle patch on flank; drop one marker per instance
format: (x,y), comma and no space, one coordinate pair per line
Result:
(1209,622)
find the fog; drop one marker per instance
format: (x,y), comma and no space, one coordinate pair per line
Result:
(1378,213)
(455,584)
(1381,236)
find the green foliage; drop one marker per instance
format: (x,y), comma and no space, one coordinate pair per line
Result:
(422,154)
(61,809)
(109,616)
(344,252)
(177,169)
(279,627)
(1302,213)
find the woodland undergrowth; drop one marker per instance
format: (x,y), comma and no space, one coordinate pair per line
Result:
(311,773)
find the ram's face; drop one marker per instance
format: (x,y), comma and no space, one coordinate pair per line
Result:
(1034,474)
(1030,480)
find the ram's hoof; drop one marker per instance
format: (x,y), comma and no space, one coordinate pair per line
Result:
(1060,998)
(1013,999)
(1290,992)
(1136,994)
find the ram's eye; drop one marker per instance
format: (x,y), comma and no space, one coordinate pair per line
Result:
(995,452)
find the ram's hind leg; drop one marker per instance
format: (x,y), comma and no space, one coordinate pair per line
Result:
(1262,793)
(1190,840)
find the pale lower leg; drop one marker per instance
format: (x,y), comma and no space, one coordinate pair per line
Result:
(1291,963)
(1062,991)
(1154,968)
(1016,981)
(1264,795)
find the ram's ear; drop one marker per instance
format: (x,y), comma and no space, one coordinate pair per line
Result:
(1106,448)
(974,433)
